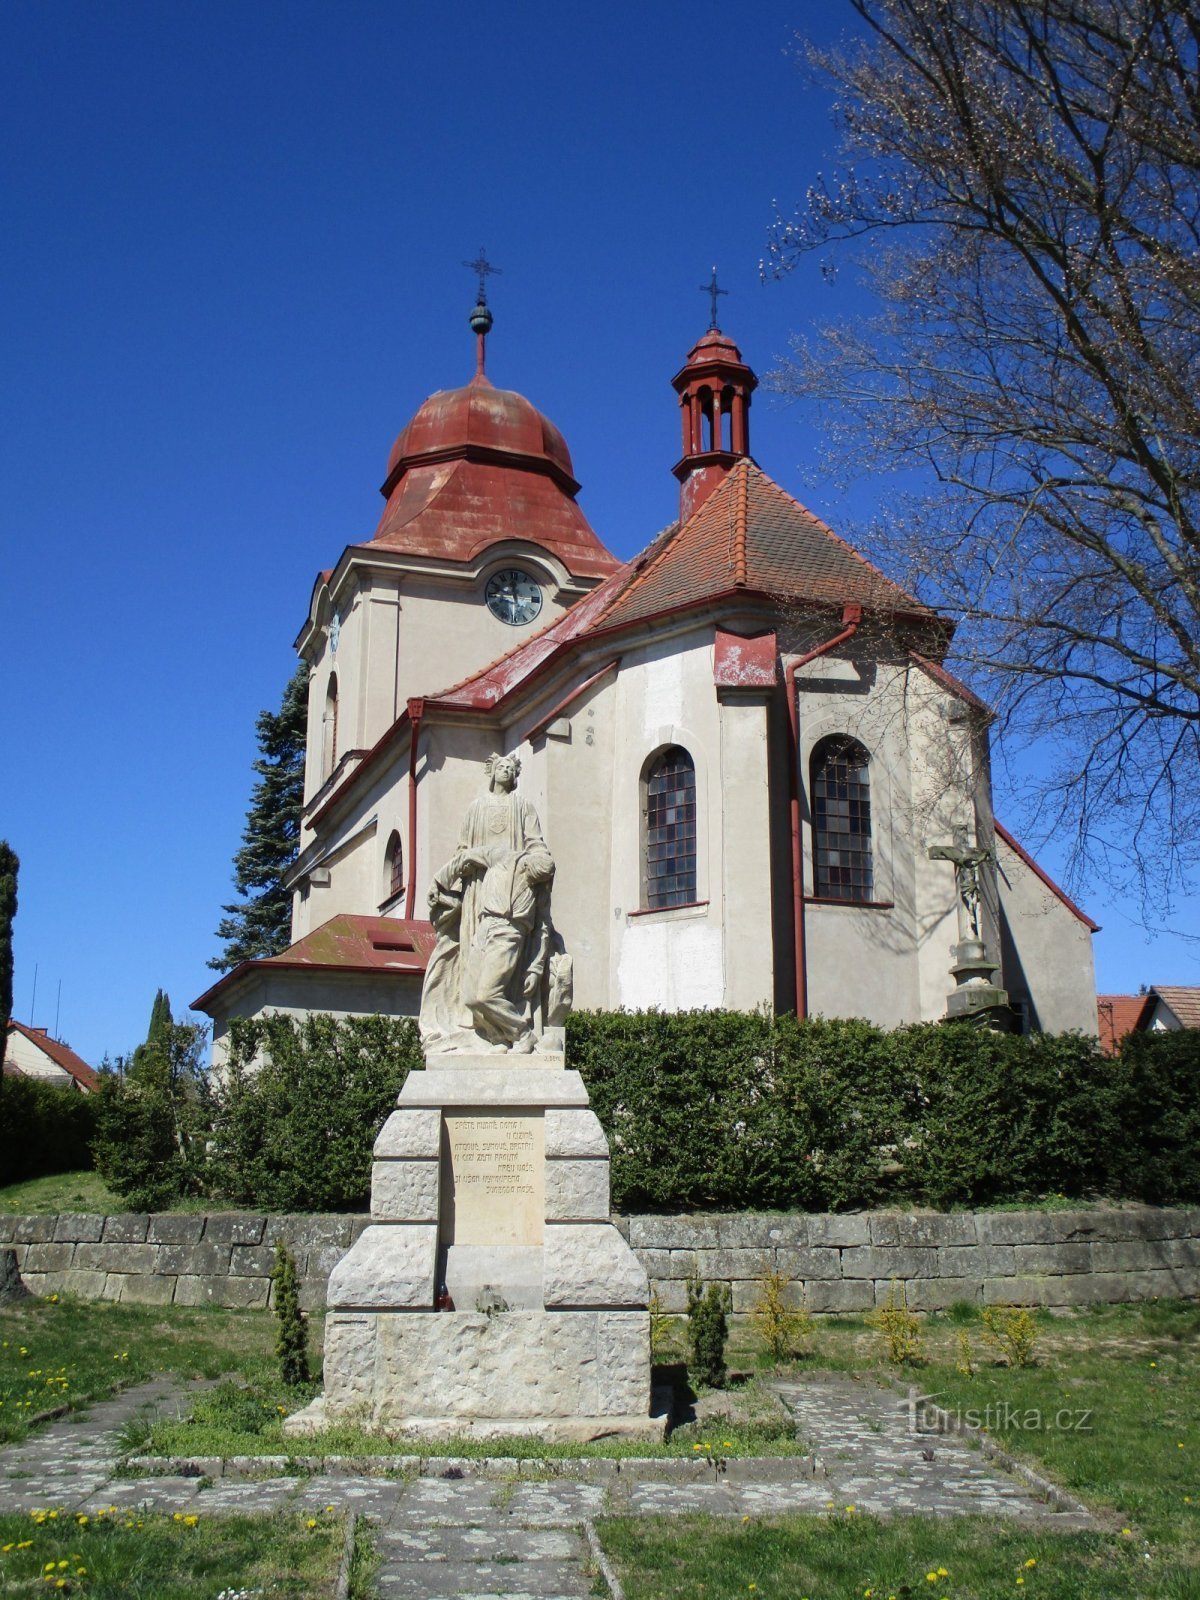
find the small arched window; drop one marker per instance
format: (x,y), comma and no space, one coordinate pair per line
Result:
(329,728)
(841,820)
(393,867)
(670,830)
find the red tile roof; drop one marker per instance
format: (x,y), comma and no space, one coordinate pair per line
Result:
(60,1054)
(347,943)
(1119,1015)
(1183,1001)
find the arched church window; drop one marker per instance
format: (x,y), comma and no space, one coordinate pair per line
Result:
(329,728)
(670,830)
(841,820)
(393,867)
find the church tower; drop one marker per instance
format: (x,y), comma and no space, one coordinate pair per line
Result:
(714,387)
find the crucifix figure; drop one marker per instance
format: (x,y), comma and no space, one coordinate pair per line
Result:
(968,862)
(712,290)
(484,267)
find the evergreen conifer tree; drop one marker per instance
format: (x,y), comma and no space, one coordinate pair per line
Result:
(259,924)
(291,1348)
(8,910)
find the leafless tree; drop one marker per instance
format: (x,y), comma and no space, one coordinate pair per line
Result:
(1020,185)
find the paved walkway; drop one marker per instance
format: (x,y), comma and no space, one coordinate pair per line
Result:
(457,1532)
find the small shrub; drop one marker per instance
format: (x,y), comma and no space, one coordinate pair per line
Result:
(965,1362)
(899,1326)
(1012,1331)
(781,1327)
(708,1329)
(291,1347)
(660,1328)
(152,1119)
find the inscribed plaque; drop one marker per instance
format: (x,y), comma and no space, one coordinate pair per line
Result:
(493,1189)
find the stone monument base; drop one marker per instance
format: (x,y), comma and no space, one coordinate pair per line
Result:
(491,1295)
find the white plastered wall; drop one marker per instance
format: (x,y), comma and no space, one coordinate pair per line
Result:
(23,1054)
(1048,962)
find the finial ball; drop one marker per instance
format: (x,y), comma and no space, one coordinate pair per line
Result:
(481,319)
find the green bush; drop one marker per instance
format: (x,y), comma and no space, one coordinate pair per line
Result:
(44,1128)
(152,1119)
(707,1332)
(729,1111)
(291,1347)
(298,1107)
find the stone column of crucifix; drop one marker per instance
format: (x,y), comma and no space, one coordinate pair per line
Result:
(976,993)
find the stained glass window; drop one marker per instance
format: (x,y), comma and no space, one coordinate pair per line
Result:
(395,866)
(841,816)
(671,830)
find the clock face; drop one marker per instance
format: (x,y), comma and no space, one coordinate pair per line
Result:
(513,596)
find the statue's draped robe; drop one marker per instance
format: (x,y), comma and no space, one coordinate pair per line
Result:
(499,827)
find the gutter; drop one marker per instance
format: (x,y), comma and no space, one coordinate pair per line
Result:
(416,710)
(851,617)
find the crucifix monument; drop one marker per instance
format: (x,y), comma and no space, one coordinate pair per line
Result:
(976,993)
(491,1293)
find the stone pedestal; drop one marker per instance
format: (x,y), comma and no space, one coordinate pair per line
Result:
(490,1179)
(977,997)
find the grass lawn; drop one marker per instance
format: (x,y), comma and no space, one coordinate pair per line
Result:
(122,1555)
(77,1192)
(1135,1372)
(69,1352)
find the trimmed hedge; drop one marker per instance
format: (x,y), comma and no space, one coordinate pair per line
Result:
(296,1114)
(726,1111)
(44,1128)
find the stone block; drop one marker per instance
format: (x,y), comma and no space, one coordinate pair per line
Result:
(127,1229)
(1054,1258)
(881,1262)
(87,1285)
(726,1265)
(492,1087)
(241,1293)
(657,1263)
(252,1260)
(412,1135)
(36,1282)
(900,1228)
(144,1289)
(302,1231)
(938,1294)
(166,1227)
(623,1363)
(747,1291)
(684,1264)
(577,1191)
(206,1260)
(743,1233)
(117,1257)
(850,1228)
(673,1233)
(589,1264)
(808,1263)
(112,1285)
(319,1263)
(390,1266)
(33,1230)
(1015,1292)
(788,1229)
(574,1134)
(8,1228)
(672,1295)
(969,1260)
(47,1257)
(78,1228)
(857,1294)
(349,1362)
(405,1191)
(234,1227)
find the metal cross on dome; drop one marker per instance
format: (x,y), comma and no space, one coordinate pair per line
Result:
(483,267)
(714,291)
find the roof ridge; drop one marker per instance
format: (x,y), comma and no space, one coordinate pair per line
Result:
(835,536)
(739,522)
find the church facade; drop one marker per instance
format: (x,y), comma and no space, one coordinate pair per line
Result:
(742,745)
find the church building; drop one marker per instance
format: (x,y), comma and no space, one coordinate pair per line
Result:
(742,745)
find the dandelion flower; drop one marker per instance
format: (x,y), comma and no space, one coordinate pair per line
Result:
(311,1523)
(1031,1562)
(190,1522)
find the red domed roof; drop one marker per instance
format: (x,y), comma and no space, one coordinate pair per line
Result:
(480,465)
(483,416)
(713,346)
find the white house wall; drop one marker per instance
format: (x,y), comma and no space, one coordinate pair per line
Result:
(34,1063)
(1049,961)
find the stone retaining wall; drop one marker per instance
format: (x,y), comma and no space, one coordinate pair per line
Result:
(838,1263)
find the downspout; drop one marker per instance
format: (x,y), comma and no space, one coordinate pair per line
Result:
(851,617)
(416,710)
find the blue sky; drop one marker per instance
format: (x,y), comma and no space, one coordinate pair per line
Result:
(230,270)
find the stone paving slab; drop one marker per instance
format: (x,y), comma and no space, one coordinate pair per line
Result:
(516,1535)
